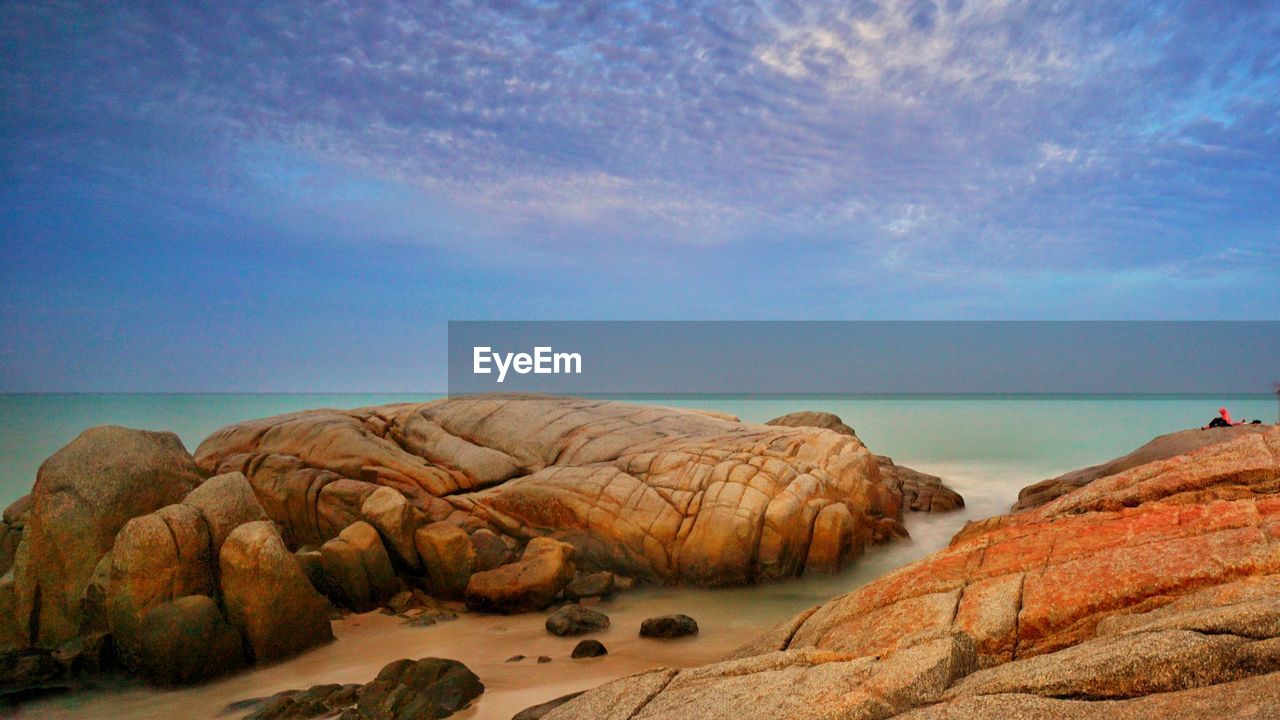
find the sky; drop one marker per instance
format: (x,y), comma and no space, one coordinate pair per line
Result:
(198,197)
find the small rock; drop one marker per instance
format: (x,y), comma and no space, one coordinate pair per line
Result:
(588,649)
(515,658)
(668,626)
(576,620)
(317,701)
(427,688)
(543,659)
(590,585)
(490,551)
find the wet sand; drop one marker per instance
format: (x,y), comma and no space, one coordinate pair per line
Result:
(727,618)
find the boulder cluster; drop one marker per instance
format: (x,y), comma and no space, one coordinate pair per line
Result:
(428,688)
(182,568)
(1152,591)
(127,549)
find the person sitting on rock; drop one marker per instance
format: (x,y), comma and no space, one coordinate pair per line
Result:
(1223,420)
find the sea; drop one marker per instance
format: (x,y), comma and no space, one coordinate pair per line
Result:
(987,447)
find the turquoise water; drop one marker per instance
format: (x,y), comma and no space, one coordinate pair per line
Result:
(1029,437)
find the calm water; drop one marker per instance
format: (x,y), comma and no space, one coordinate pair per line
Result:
(986,448)
(1036,435)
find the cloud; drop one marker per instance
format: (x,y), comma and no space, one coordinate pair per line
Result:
(1021,134)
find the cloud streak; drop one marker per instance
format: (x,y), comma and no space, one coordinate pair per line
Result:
(1023,135)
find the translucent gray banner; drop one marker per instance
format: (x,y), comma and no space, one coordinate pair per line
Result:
(711,357)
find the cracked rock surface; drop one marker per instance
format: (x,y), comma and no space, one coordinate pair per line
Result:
(1153,591)
(659,494)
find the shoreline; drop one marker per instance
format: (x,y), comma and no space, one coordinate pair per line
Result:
(811,452)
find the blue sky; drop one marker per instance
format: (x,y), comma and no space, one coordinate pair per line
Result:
(197,197)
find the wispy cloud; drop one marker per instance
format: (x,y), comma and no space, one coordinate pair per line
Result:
(1024,134)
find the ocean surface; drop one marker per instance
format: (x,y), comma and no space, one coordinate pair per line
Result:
(1034,435)
(986,447)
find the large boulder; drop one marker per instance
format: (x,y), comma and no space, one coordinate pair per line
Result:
(396,521)
(447,557)
(225,502)
(158,557)
(659,494)
(267,597)
(531,584)
(83,495)
(188,640)
(358,569)
(1151,592)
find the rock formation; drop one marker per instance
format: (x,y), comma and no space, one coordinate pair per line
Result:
(83,495)
(919,491)
(511,502)
(660,494)
(429,688)
(1150,592)
(1161,448)
(129,554)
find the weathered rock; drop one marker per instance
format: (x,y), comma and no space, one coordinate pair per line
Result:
(590,585)
(397,522)
(531,584)
(835,536)
(94,615)
(537,712)
(588,649)
(921,492)
(11,528)
(1161,448)
(621,699)
(491,551)
(576,620)
(83,496)
(668,626)
(617,481)
(225,502)
(9,636)
(158,557)
(447,557)
(311,562)
(266,596)
(30,672)
(188,640)
(357,566)
(427,688)
(1126,592)
(317,701)
(813,418)
(1249,698)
